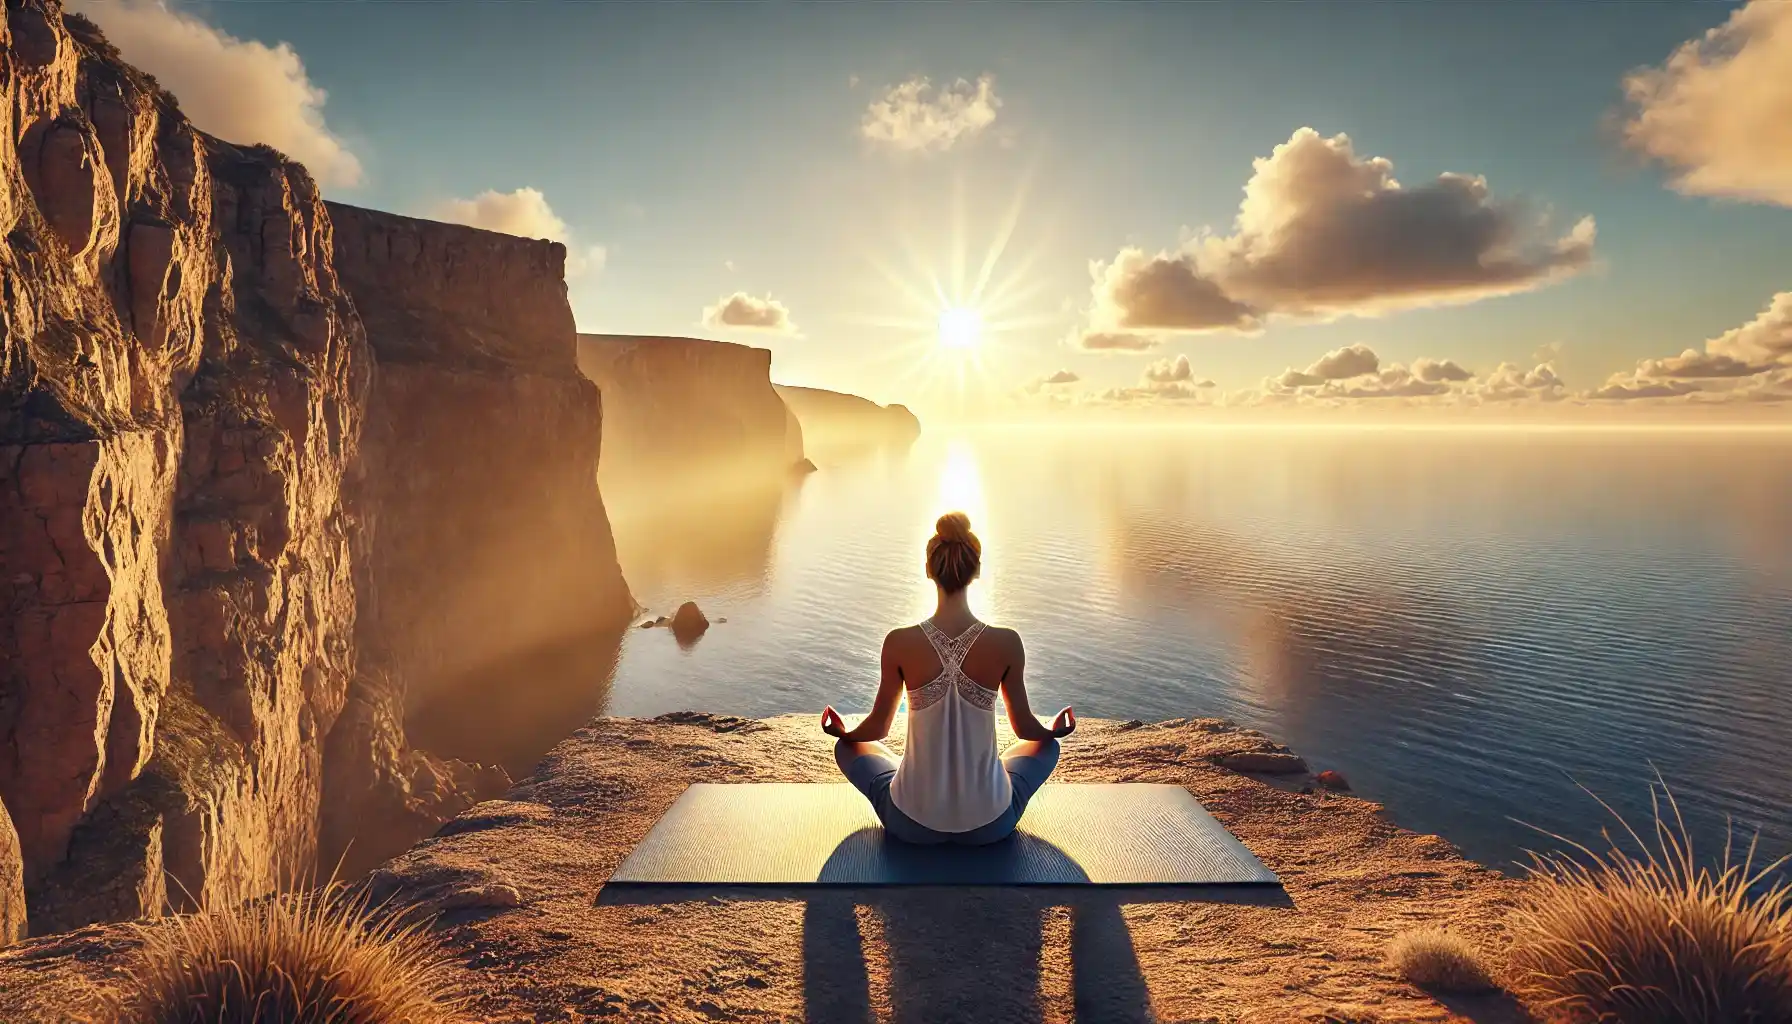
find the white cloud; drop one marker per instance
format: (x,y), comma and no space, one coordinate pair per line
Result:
(1170,380)
(751,312)
(1167,371)
(524,212)
(240,90)
(1512,383)
(1323,233)
(1113,341)
(1440,369)
(1716,113)
(1747,362)
(1165,292)
(915,117)
(1356,372)
(1350,361)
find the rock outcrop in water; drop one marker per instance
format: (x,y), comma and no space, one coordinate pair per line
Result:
(189,533)
(688,409)
(832,419)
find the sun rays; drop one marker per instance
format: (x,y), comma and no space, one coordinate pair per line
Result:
(957,320)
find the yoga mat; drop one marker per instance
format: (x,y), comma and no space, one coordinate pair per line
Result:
(794,834)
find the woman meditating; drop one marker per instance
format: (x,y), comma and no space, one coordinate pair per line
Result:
(950,787)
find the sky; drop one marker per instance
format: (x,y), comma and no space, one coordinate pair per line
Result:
(1171,207)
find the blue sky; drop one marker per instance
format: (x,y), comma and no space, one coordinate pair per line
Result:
(714,148)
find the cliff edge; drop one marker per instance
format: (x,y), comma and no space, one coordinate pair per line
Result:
(517,883)
(833,419)
(691,410)
(235,549)
(484,540)
(183,386)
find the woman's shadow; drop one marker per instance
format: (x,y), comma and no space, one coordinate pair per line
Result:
(963,953)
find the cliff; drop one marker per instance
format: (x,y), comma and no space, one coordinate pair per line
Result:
(531,936)
(183,384)
(685,409)
(832,419)
(220,517)
(486,540)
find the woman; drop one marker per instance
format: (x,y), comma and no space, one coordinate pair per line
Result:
(950,787)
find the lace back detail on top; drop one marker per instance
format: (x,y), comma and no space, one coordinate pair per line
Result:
(951,651)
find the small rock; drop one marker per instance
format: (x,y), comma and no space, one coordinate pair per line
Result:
(721,618)
(689,620)
(1131,725)
(493,896)
(1333,780)
(1264,761)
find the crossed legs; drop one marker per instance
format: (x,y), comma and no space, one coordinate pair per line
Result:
(848,751)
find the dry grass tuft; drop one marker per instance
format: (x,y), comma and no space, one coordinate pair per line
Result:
(1656,937)
(317,957)
(1441,961)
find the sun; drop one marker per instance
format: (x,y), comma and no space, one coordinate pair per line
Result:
(960,320)
(960,327)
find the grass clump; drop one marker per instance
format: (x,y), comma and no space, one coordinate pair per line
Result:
(1654,937)
(1441,961)
(315,957)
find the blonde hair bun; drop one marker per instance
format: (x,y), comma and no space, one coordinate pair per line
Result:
(954,528)
(954,554)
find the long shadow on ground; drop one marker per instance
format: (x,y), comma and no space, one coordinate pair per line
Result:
(937,954)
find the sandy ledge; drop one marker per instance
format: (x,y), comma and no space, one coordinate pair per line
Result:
(517,882)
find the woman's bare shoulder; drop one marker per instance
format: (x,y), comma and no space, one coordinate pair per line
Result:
(1003,637)
(904,636)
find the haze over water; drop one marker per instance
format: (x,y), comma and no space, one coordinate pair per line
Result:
(1466,623)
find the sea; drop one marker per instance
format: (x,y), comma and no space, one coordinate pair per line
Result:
(1512,637)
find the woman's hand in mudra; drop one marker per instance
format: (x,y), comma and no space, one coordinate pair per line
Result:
(1064,724)
(832,724)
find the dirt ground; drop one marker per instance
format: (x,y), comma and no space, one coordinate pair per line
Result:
(518,881)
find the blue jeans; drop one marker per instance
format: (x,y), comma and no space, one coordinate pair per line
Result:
(873,773)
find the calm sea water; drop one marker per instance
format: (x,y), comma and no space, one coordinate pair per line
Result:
(1467,624)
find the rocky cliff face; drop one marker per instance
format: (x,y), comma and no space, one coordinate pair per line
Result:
(685,409)
(201,628)
(832,419)
(183,389)
(12,883)
(487,542)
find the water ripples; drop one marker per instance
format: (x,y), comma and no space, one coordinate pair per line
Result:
(1467,626)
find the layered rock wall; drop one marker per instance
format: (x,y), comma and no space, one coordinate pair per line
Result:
(228,542)
(688,409)
(184,377)
(486,539)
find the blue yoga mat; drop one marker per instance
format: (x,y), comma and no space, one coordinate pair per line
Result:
(793,834)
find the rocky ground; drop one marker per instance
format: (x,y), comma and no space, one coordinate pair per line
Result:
(518,884)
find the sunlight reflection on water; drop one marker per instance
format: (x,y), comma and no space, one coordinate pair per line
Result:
(1459,622)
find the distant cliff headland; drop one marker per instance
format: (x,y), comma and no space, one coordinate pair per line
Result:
(834,420)
(282,479)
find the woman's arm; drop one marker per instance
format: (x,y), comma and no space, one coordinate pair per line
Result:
(876,725)
(1021,719)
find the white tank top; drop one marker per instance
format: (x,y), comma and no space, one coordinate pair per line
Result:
(950,778)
